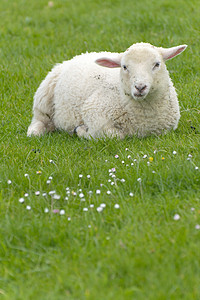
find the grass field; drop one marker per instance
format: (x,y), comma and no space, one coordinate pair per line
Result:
(145,244)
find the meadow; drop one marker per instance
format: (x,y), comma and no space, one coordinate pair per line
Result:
(97,219)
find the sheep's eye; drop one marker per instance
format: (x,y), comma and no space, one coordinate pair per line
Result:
(124,67)
(157,65)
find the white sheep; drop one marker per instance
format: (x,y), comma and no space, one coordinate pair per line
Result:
(133,95)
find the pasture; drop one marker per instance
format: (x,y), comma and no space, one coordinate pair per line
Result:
(97,219)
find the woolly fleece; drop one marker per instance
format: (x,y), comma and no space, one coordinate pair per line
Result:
(109,94)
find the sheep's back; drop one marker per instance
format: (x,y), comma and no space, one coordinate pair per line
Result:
(80,78)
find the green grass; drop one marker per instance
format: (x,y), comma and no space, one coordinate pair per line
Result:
(137,251)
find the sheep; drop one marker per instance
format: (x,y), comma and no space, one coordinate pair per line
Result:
(109,94)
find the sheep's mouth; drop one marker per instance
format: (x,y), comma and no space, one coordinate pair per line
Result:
(136,96)
(139,96)
(139,92)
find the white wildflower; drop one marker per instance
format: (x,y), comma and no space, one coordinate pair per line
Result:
(99,209)
(52,192)
(176,217)
(21,200)
(56,197)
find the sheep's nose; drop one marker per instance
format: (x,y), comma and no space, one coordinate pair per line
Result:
(140,88)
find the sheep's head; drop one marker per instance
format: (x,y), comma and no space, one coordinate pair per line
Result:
(141,65)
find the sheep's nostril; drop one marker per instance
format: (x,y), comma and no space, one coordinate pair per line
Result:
(140,88)
(143,88)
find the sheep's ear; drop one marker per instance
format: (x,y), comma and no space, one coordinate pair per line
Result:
(168,53)
(108,62)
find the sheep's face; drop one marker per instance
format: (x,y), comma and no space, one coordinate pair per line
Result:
(139,71)
(141,65)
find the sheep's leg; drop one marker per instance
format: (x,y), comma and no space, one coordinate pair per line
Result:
(36,128)
(96,119)
(82,131)
(40,124)
(108,131)
(43,109)
(114,132)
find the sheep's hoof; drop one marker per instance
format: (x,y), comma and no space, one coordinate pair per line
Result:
(81,130)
